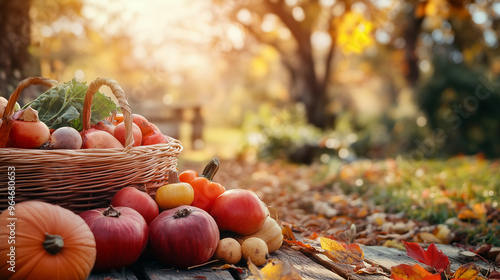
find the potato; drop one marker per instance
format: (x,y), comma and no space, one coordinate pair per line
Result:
(255,249)
(228,251)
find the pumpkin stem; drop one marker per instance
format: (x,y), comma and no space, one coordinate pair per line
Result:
(182,213)
(173,177)
(111,212)
(210,169)
(53,243)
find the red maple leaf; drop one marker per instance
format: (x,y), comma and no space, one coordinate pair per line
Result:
(433,257)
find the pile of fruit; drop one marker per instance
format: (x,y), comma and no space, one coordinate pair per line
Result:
(189,221)
(29,132)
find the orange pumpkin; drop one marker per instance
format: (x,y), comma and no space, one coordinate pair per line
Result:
(39,240)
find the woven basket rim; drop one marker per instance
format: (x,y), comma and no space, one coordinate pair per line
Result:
(172,143)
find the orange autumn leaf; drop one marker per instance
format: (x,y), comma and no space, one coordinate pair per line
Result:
(467,271)
(301,245)
(313,235)
(412,272)
(341,252)
(287,233)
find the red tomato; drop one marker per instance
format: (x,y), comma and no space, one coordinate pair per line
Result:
(183,236)
(240,211)
(137,200)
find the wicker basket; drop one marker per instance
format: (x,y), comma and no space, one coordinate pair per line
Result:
(81,179)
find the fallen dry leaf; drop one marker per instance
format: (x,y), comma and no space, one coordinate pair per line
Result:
(395,244)
(371,270)
(287,233)
(433,257)
(467,271)
(274,270)
(426,237)
(341,252)
(412,272)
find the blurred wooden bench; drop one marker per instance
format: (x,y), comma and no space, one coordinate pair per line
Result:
(169,119)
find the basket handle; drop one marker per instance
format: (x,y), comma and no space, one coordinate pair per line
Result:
(9,109)
(122,101)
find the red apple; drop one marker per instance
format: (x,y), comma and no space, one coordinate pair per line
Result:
(137,200)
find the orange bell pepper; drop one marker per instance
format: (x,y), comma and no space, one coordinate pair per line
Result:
(205,190)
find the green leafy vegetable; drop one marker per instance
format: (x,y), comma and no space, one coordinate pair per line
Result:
(62,105)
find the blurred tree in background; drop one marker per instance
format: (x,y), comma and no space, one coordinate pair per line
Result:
(461,90)
(441,52)
(15,60)
(307,35)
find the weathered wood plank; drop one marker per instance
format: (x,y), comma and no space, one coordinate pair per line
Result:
(307,268)
(153,270)
(122,274)
(458,259)
(386,257)
(343,270)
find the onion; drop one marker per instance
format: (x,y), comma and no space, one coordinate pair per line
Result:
(121,234)
(27,130)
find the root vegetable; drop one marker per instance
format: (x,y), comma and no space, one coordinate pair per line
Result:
(3,104)
(27,130)
(255,249)
(228,251)
(120,134)
(104,125)
(143,124)
(99,139)
(154,138)
(66,138)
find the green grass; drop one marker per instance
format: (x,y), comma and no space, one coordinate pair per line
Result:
(435,191)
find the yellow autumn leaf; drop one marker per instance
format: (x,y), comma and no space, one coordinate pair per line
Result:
(331,245)
(342,253)
(467,271)
(275,270)
(395,244)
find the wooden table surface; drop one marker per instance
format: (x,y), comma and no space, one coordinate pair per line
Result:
(309,265)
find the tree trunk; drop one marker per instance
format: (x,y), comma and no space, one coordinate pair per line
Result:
(414,24)
(314,100)
(313,91)
(15,34)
